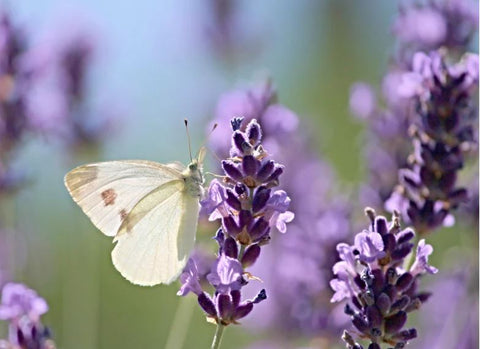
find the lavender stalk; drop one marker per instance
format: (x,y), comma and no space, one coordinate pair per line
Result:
(381,293)
(248,208)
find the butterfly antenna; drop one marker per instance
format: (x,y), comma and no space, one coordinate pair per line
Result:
(206,140)
(188,137)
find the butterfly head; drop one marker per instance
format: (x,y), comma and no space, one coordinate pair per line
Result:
(193,175)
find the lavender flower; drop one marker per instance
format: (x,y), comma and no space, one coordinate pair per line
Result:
(371,276)
(420,26)
(442,134)
(296,266)
(248,208)
(22,307)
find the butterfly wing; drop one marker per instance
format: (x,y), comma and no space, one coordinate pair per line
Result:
(155,240)
(108,191)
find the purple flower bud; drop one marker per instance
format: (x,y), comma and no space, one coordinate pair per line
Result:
(381,226)
(254,132)
(266,171)
(260,297)
(401,304)
(231,170)
(404,281)
(236,123)
(383,303)
(374,317)
(259,229)
(240,189)
(233,200)
(230,248)
(207,304)
(262,194)
(395,322)
(406,335)
(250,256)
(225,306)
(401,251)
(278,170)
(405,235)
(230,226)
(360,323)
(250,165)
(245,218)
(243,310)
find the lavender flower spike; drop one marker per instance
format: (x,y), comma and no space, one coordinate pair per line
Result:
(380,292)
(443,134)
(248,209)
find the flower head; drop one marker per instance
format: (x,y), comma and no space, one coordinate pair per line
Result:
(371,277)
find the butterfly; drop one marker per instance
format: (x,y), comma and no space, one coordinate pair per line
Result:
(150,209)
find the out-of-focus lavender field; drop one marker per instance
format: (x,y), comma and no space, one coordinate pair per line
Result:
(346,104)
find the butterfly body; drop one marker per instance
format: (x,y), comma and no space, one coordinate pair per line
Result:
(149,208)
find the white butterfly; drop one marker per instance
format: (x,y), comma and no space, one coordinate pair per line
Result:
(151,209)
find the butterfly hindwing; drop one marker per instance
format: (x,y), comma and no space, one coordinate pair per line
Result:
(154,243)
(108,191)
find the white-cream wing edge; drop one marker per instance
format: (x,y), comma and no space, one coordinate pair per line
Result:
(156,248)
(108,191)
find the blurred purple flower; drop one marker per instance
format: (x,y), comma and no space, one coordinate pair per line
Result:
(18,300)
(443,133)
(429,25)
(22,307)
(363,100)
(450,318)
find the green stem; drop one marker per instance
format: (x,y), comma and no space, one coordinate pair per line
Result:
(218,336)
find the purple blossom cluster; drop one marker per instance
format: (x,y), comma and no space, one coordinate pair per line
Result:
(381,288)
(442,134)
(43,92)
(431,24)
(296,268)
(22,308)
(420,26)
(248,208)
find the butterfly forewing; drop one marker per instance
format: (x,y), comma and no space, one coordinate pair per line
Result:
(108,191)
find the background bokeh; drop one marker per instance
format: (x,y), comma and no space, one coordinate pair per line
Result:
(154,66)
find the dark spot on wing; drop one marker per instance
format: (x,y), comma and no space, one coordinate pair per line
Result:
(109,197)
(123,214)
